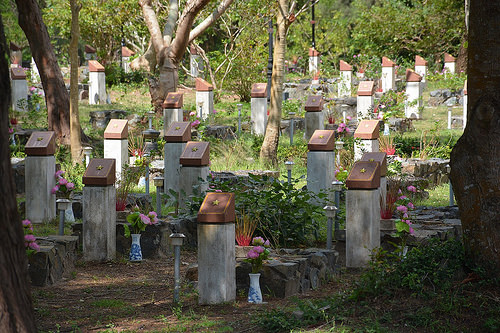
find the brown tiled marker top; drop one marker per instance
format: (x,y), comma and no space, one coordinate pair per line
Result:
(322,140)
(174,100)
(126,52)
(380,157)
(259,90)
(366,88)
(196,153)
(217,207)
(41,144)
(17,73)
(95,66)
(314,104)
(364,175)
(116,129)
(412,76)
(419,61)
(89,49)
(344,66)
(313,52)
(202,85)
(100,172)
(368,130)
(386,62)
(178,132)
(449,58)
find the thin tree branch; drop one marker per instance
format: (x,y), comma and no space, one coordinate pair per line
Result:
(152,24)
(210,19)
(173,15)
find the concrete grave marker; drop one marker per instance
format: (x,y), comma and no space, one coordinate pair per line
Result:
(204,98)
(381,159)
(388,74)
(368,131)
(313,61)
(449,63)
(258,106)
(126,54)
(320,160)
(99,210)
(345,83)
(19,93)
(40,169)
(172,109)
(116,143)
(362,213)
(176,137)
(194,160)
(314,117)
(421,67)
(414,93)
(195,62)
(365,99)
(216,249)
(97,83)
(16,55)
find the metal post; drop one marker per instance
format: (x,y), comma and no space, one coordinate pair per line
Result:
(177,239)
(239,118)
(330,214)
(270,60)
(292,115)
(313,24)
(159,191)
(449,117)
(289,167)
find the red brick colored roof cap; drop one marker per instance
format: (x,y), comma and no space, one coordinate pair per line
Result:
(344,66)
(386,62)
(95,66)
(202,85)
(419,61)
(449,58)
(17,73)
(313,52)
(174,100)
(366,88)
(411,76)
(126,52)
(89,49)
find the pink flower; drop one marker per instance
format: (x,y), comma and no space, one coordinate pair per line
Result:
(192,113)
(70,186)
(195,123)
(252,254)
(54,189)
(218,191)
(347,129)
(26,223)
(402,209)
(214,111)
(29,238)
(144,219)
(258,241)
(59,173)
(405,216)
(403,197)
(259,249)
(412,188)
(32,89)
(348,117)
(63,181)
(11,130)
(411,231)
(266,243)
(410,205)
(34,246)
(339,130)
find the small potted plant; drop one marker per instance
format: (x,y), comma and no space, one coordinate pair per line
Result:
(138,222)
(256,257)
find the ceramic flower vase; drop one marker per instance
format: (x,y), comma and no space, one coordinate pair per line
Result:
(254,293)
(135,250)
(69,216)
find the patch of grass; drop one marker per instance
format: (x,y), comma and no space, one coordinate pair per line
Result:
(439,196)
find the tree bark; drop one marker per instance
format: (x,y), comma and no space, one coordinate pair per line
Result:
(16,310)
(475,159)
(269,149)
(76,142)
(56,95)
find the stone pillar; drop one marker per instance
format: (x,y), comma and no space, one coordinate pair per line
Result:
(362,213)
(216,249)
(39,177)
(464,122)
(388,74)
(116,143)
(19,91)
(449,63)
(414,93)
(381,159)
(194,171)
(345,82)
(258,108)
(204,98)
(313,61)
(172,109)
(366,90)
(314,118)
(16,55)
(195,62)
(90,53)
(321,160)
(99,210)
(176,138)
(126,54)
(367,133)
(97,83)
(421,67)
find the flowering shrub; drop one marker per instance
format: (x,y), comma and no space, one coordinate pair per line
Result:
(391,105)
(258,254)
(403,209)
(343,128)
(29,239)
(63,186)
(138,221)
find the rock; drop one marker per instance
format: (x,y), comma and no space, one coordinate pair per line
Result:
(435,93)
(221,132)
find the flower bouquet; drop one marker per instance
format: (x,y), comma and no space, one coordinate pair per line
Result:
(29,239)
(138,221)
(258,253)
(63,187)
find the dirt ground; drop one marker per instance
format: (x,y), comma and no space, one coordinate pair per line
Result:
(122,296)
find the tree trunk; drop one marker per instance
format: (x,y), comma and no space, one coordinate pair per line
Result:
(16,310)
(269,149)
(475,159)
(56,95)
(76,142)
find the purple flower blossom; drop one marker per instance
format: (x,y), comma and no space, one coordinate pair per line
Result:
(257,241)
(59,173)
(410,205)
(144,219)
(252,254)
(11,130)
(411,231)
(403,197)
(192,113)
(54,189)
(63,181)
(402,209)
(266,243)
(29,238)
(259,249)
(412,188)
(26,223)
(34,246)
(70,186)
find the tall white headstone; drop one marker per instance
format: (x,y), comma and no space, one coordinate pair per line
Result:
(97,83)
(414,93)
(388,74)
(258,108)
(195,62)
(19,91)
(449,63)
(204,98)
(345,82)
(365,99)
(421,67)
(313,61)
(126,54)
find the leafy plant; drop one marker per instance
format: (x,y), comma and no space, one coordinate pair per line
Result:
(138,221)
(258,254)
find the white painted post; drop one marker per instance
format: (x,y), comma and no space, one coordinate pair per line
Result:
(204,97)
(414,93)
(97,83)
(449,63)
(126,54)
(345,82)
(258,108)
(313,61)
(421,67)
(365,99)
(388,74)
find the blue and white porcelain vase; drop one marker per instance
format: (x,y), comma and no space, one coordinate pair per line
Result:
(254,293)
(135,250)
